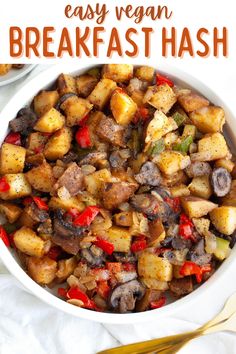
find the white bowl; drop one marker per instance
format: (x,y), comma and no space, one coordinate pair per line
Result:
(15,74)
(25,95)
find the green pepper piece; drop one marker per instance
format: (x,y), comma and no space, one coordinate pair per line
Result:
(184,145)
(189,130)
(179,118)
(157,147)
(9,228)
(222,248)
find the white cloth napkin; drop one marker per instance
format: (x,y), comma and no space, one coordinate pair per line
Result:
(28,326)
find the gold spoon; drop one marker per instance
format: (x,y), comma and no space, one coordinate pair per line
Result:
(161,344)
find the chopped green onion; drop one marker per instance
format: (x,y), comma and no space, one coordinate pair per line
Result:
(157,147)
(184,145)
(179,118)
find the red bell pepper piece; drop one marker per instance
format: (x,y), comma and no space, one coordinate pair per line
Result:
(106,246)
(129,267)
(54,253)
(186,228)
(87,216)
(141,114)
(62,292)
(174,203)
(39,149)
(40,203)
(159,303)
(83,138)
(103,289)
(160,80)
(4,236)
(13,138)
(191,268)
(185,220)
(73,212)
(4,185)
(83,121)
(139,244)
(76,293)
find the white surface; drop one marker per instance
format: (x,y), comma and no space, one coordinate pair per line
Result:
(15,74)
(29,326)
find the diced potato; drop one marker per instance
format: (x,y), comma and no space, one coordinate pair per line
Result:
(35,142)
(202,225)
(215,145)
(42,270)
(170,139)
(118,72)
(102,92)
(65,268)
(12,158)
(76,109)
(163,97)
(191,101)
(196,207)
(175,179)
(120,238)
(19,187)
(125,218)
(5,68)
(66,204)
(171,162)
(66,84)
(145,73)
(157,233)
(95,181)
(44,101)
(230,198)
(189,130)
(41,177)
(137,97)
(59,144)
(209,119)
(26,220)
(152,266)
(180,190)
(85,84)
(50,122)
(159,126)
(224,219)
(35,160)
(26,240)
(11,211)
(227,164)
(153,283)
(123,107)
(201,187)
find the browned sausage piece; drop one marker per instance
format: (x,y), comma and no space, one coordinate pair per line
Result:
(198,169)
(181,286)
(112,132)
(71,179)
(116,193)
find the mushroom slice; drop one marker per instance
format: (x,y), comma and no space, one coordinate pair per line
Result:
(123,297)
(221,181)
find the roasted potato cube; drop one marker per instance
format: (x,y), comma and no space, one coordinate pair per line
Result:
(153,283)
(159,126)
(145,73)
(66,204)
(85,84)
(19,187)
(227,164)
(120,238)
(191,101)
(152,266)
(5,68)
(66,84)
(175,179)
(230,198)
(42,270)
(202,225)
(12,158)
(208,119)
(76,109)
(157,233)
(102,92)
(171,162)
(180,190)
(26,220)
(50,122)
(215,145)
(117,72)
(196,207)
(65,268)
(123,107)
(35,142)
(11,211)
(26,240)
(59,144)
(137,97)
(41,177)
(201,187)
(35,160)
(163,97)
(44,101)
(125,218)
(224,219)
(95,181)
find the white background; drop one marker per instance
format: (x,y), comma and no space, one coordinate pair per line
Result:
(28,326)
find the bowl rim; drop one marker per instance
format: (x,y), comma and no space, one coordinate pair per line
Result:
(34,85)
